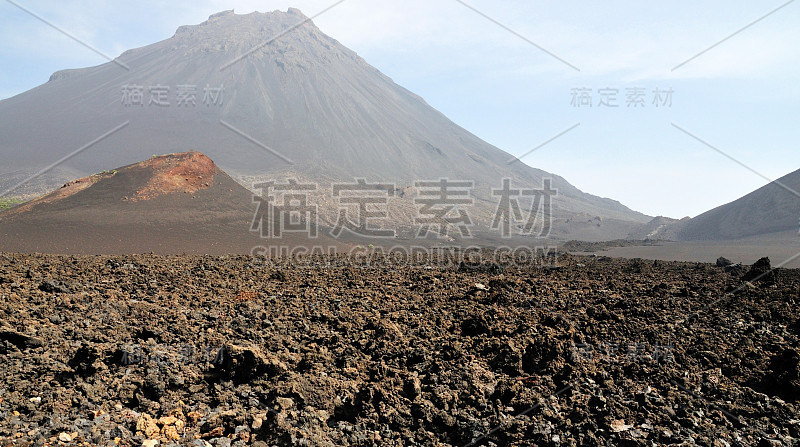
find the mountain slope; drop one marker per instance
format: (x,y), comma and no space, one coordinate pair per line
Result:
(660,228)
(177,203)
(770,209)
(301,106)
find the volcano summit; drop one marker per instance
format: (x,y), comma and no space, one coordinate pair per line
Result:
(297,106)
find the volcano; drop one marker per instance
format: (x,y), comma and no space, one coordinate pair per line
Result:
(171,204)
(264,108)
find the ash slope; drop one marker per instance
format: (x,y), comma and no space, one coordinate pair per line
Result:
(177,203)
(769,210)
(304,95)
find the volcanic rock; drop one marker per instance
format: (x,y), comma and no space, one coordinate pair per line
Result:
(760,271)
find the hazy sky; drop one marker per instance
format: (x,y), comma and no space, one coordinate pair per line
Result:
(742,97)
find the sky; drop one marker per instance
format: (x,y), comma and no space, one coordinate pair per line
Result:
(706,93)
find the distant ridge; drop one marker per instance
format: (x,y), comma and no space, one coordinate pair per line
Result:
(769,210)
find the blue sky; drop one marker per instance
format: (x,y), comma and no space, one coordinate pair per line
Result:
(741,97)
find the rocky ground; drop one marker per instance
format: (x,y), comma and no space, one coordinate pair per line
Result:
(231,351)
